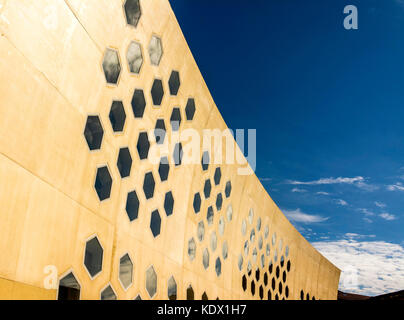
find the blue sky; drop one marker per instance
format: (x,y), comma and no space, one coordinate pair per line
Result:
(328,106)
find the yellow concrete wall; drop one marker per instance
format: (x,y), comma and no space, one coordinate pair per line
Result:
(51,79)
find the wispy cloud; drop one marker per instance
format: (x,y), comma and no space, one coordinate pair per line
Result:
(359,182)
(396,187)
(299,190)
(299,216)
(341,202)
(323,193)
(358,236)
(387,216)
(368,267)
(380,204)
(366,211)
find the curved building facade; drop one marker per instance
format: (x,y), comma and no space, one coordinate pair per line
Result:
(89,90)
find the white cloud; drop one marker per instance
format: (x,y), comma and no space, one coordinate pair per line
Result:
(299,216)
(368,267)
(366,211)
(323,193)
(358,236)
(380,204)
(396,187)
(387,216)
(356,181)
(367,220)
(299,190)
(341,202)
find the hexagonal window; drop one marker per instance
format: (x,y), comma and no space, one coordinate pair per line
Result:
(229,212)
(261,292)
(201,231)
(251,216)
(148,185)
(157,92)
(225,250)
(249,268)
(175,119)
(252,235)
(169,203)
(243,227)
(282,261)
(259,224)
(268,250)
(132,206)
(218,267)
(221,226)
(117,116)
(262,261)
(124,162)
(143,145)
(126,271)
(209,216)
(219,202)
(266,278)
(288,266)
(190,293)
(227,190)
(93,257)
(160,131)
(164,169)
(254,255)
(240,262)
(274,238)
(172,289)
(111,66)
(205,161)
(155,50)
(207,189)
(93,132)
(191,249)
(260,242)
(138,103)
(253,287)
(271,267)
(103,183)
(134,57)
(276,256)
(205,297)
(151,282)
(280,288)
(138,297)
(69,288)
(269,295)
(213,241)
(246,248)
(266,232)
(155,223)
(190,109)
(284,276)
(287,251)
(108,294)
(244,283)
(257,274)
(205,258)
(218,176)
(277,271)
(178,154)
(132,12)
(287,292)
(197,202)
(273,284)
(174,82)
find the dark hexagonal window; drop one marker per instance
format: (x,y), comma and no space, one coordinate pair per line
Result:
(157,92)
(201,231)
(69,288)
(138,297)
(93,257)
(126,271)
(218,267)
(209,216)
(266,278)
(155,50)
(124,162)
(287,292)
(218,175)
(132,12)
(132,205)
(178,154)
(164,169)
(160,131)
(138,103)
(219,202)
(205,161)
(169,203)
(151,282)
(269,295)
(134,57)
(190,293)
(108,294)
(244,283)
(93,132)
(155,223)
(288,266)
(227,190)
(280,287)
(190,109)
(175,119)
(148,185)
(174,83)
(307,296)
(111,66)
(261,292)
(271,266)
(205,258)
(207,189)
(143,145)
(117,116)
(191,249)
(273,284)
(277,272)
(253,287)
(103,183)
(172,289)
(257,274)
(197,202)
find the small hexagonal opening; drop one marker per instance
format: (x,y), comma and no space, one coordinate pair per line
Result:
(126,271)
(103,183)
(155,50)
(134,57)
(143,145)
(175,119)
(160,131)
(117,116)
(174,82)
(227,190)
(209,216)
(169,203)
(191,249)
(219,202)
(229,213)
(148,185)
(190,109)
(205,160)
(213,241)
(218,267)
(197,202)
(108,294)
(205,258)
(132,206)
(138,103)
(190,293)
(261,292)
(218,176)
(240,262)
(155,223)
(172,289)
(151,282)
(93,257)
(124,162)
(253,287)
(225,250)
(207,189)
(201,231)
(93,132)
(138,297)
(111,66)
(178,154)
(69,288)
(132,12)
(164,169)
(157,92)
